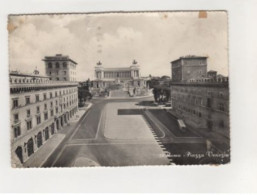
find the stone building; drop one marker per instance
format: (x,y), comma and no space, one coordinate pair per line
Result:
(189,67)
(39,107)
(202,104)
(60,68)
(127,77)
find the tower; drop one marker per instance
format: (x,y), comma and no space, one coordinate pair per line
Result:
(135,70)
(99,70)
(60,68)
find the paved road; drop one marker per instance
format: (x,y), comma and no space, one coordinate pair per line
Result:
(87,145)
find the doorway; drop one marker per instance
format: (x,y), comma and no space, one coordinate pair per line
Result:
(30,147)
(18,152)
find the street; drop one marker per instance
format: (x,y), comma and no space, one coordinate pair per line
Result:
(122,132)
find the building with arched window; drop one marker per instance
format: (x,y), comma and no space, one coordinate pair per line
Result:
(60,68)
(39,108)
(201,98)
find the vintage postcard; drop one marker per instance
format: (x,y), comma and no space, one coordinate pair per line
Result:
(119,89)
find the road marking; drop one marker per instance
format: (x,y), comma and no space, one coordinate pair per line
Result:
(100,122)
(112,143)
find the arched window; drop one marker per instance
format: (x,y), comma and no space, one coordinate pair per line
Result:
(64,64)
(57,65)
(50,65)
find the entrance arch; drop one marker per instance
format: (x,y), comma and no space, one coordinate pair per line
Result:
(18,152)
(30,147)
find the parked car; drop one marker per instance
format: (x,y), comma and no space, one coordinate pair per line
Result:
(181,125)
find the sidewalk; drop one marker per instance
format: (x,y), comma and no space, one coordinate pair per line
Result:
(44,152)
(38,158)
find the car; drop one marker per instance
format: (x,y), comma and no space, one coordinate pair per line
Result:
(181,125)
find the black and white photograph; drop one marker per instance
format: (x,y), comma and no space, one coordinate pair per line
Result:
(115,89)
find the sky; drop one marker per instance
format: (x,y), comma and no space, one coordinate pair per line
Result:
(116,39)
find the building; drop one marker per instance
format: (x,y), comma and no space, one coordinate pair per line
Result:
(199,97)
(60,68)
(127,77)
(189,67)
(212,74)
(39,108)
(203,104)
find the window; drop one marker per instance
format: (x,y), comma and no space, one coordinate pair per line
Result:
(221,107)
(29,125)
(60,92)
(45,106)
(52,128)
(50,72)
(37,98)
(64,65)
(56,94)
(16,118)
(27,100)
(57,78)
(38,109)
(28,113)
(64,72)
(46,115)
(51,104)
(57,72)
(52,112)
(38,120)
(57,65)
(50,65)
(64,78)
(56,110)
(44,96)
(200,114)
(221,94)
(15,103)
(17,131)
(221,124)
(46,134)
(56,102)
(208,102)
(51,94)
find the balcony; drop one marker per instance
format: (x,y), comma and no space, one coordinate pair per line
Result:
(16,122)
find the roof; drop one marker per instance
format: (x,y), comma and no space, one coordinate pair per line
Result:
(27,75)
(212,71)
(117,69)
(190,57)
(59,57)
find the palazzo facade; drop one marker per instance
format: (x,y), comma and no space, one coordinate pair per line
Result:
(39,108)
